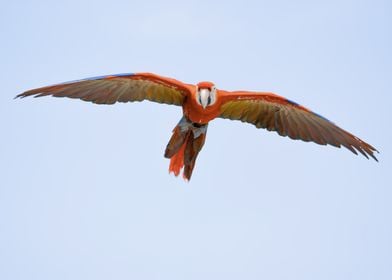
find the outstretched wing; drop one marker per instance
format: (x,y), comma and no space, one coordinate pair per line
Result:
(119,88)
(276,113)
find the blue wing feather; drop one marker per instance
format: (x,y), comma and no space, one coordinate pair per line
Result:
(97,78)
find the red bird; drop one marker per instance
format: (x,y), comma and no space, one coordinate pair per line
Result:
(202,103)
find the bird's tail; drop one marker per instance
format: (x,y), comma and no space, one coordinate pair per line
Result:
(184,146)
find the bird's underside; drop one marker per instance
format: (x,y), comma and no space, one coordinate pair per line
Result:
(202,103)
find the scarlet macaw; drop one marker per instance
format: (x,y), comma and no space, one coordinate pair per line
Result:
(202,103)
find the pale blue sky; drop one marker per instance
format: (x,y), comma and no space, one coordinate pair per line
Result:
(84,189)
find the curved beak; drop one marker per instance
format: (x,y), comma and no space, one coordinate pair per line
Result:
(204,97)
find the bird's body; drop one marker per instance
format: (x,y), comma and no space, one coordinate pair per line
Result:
(202,103)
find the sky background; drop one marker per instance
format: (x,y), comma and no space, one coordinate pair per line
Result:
(84,189)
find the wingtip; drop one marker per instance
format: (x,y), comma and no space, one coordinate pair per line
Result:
(27,93)
(373,150)
(21,95)
(374,157)
(370,154)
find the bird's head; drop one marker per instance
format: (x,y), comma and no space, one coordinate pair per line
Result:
(205,94)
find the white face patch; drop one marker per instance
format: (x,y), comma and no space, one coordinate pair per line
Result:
(206,97)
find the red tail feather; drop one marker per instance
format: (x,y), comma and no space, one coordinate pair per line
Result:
(177,161)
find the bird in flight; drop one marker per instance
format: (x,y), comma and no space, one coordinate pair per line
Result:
(202,103)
